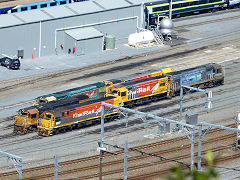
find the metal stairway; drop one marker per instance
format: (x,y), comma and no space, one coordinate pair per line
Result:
(157,36)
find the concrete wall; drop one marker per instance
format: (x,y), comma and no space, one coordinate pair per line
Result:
(39,38)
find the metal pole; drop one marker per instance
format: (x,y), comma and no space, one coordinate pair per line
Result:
(149,115)
(238,134)
(207,100)
(40,39)
(148,21)
(20,169)
(200,148)
(159,128)
(142,16)
(170,9)
(125,159)
(127,120)
(201,134)
(101,141)
(164,128)
(100,167)
(56,167)
(192,148)
(102,126)
(181,104)
(146,123)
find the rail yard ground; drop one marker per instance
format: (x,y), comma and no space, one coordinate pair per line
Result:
(201,40)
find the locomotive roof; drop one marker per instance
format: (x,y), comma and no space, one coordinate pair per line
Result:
(115,81)
(54,104)
(131,76)
(63,102)
(160,2)
(201,67)
(81,104)
(130,83)
(93,85)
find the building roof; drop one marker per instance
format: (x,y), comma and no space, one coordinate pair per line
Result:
(58,11)
(66,10)
(84,7)
(9,20)
(113,4)
(84,33)
(35,15)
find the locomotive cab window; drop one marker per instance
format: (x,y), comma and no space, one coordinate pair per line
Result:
(33,116)
(48,116)
(57,119)
(23,113)
(162,84)
(123,93)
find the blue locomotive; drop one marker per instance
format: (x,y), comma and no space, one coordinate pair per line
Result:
(203,76)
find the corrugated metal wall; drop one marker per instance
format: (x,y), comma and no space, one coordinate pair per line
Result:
(40,38)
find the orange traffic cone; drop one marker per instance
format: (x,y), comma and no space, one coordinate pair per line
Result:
(32,56)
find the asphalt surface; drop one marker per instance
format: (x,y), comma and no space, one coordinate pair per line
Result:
(81,143)
(54,63)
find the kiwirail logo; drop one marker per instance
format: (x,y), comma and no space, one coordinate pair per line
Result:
(86,113)
(154,87)
(143,90)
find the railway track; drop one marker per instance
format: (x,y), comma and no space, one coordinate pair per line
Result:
(88,73)
(149,108)
(207,22)
(135,162)
(40,78)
